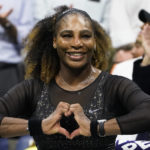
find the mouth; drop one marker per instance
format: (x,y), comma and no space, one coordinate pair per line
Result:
(75,55)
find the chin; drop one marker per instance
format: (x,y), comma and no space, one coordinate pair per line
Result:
(77,65)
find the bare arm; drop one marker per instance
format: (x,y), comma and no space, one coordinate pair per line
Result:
(8,26)
(11,127)
(16,102)
(111,127)
(145,34)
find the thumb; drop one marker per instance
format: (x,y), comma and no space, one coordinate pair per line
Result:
(64,132)
(75,133)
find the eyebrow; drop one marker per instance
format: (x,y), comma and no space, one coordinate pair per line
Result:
(82,31)
(70,31)
(88,31)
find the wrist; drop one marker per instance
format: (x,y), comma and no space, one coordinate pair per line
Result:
(93,128)
(97,128)
(101,129)
(5,23)
(146,61)
(44,126)
(35,127)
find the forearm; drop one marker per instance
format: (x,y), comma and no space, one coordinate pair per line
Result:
(111,127)
(10,29)
(146,61)
(136,121)
(145,34)
(11,127)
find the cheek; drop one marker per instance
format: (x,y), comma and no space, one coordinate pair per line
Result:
(60,52)
(62,46)
(90,44)
(90,47)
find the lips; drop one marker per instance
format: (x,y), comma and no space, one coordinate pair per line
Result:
(75,55)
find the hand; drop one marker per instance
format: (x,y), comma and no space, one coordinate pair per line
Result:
(8,26)
(145,35)
(82,120)
(51,124)
(5,14)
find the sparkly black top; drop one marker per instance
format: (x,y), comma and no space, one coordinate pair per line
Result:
(107,97)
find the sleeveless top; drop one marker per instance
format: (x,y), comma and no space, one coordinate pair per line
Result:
(93,110)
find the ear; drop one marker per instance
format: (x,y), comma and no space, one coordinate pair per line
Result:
(54,43)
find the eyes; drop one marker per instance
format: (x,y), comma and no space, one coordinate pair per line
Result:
(66,35)
(87,36)
(71,35)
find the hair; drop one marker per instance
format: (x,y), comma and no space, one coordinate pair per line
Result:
(42,61)
(126,47)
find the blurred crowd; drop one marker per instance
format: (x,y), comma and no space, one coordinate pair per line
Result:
(127,24)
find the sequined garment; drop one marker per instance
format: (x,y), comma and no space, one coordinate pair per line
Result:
(93,110)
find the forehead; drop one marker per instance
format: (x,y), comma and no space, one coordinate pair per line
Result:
(75,21)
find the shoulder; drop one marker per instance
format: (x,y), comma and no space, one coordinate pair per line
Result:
(28,85)
(120,88)
(116,82)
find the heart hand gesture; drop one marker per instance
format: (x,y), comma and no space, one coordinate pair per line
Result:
(82,120)
(51,124)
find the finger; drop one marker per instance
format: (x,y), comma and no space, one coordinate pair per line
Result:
(75,133)
(63,107)
(68,113)
(75,105)
(64,132)
(64,111)
(6,14)
(76,109)
(9,12)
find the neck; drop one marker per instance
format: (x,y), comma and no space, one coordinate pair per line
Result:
(75,75)
(76,79)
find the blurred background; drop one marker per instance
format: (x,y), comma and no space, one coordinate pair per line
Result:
(119,18)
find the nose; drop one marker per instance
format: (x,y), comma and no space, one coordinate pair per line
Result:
(77,43)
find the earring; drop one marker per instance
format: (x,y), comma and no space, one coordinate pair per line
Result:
(54,46)
(95,47)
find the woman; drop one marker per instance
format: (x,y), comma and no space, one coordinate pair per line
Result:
(67,93)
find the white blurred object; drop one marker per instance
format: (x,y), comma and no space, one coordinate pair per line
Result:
(125,68)
(98,10)
(124,24)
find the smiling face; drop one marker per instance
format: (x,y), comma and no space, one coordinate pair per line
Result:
(74,41)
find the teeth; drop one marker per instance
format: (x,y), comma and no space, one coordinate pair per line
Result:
(76,54)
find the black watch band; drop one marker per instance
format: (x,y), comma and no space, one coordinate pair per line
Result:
(101,127)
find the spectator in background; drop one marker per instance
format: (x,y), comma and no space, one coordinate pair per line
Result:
(120,54)
(123,53)
(128,53)
(124,25)
(15,23)
(138,69)
(138,49)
